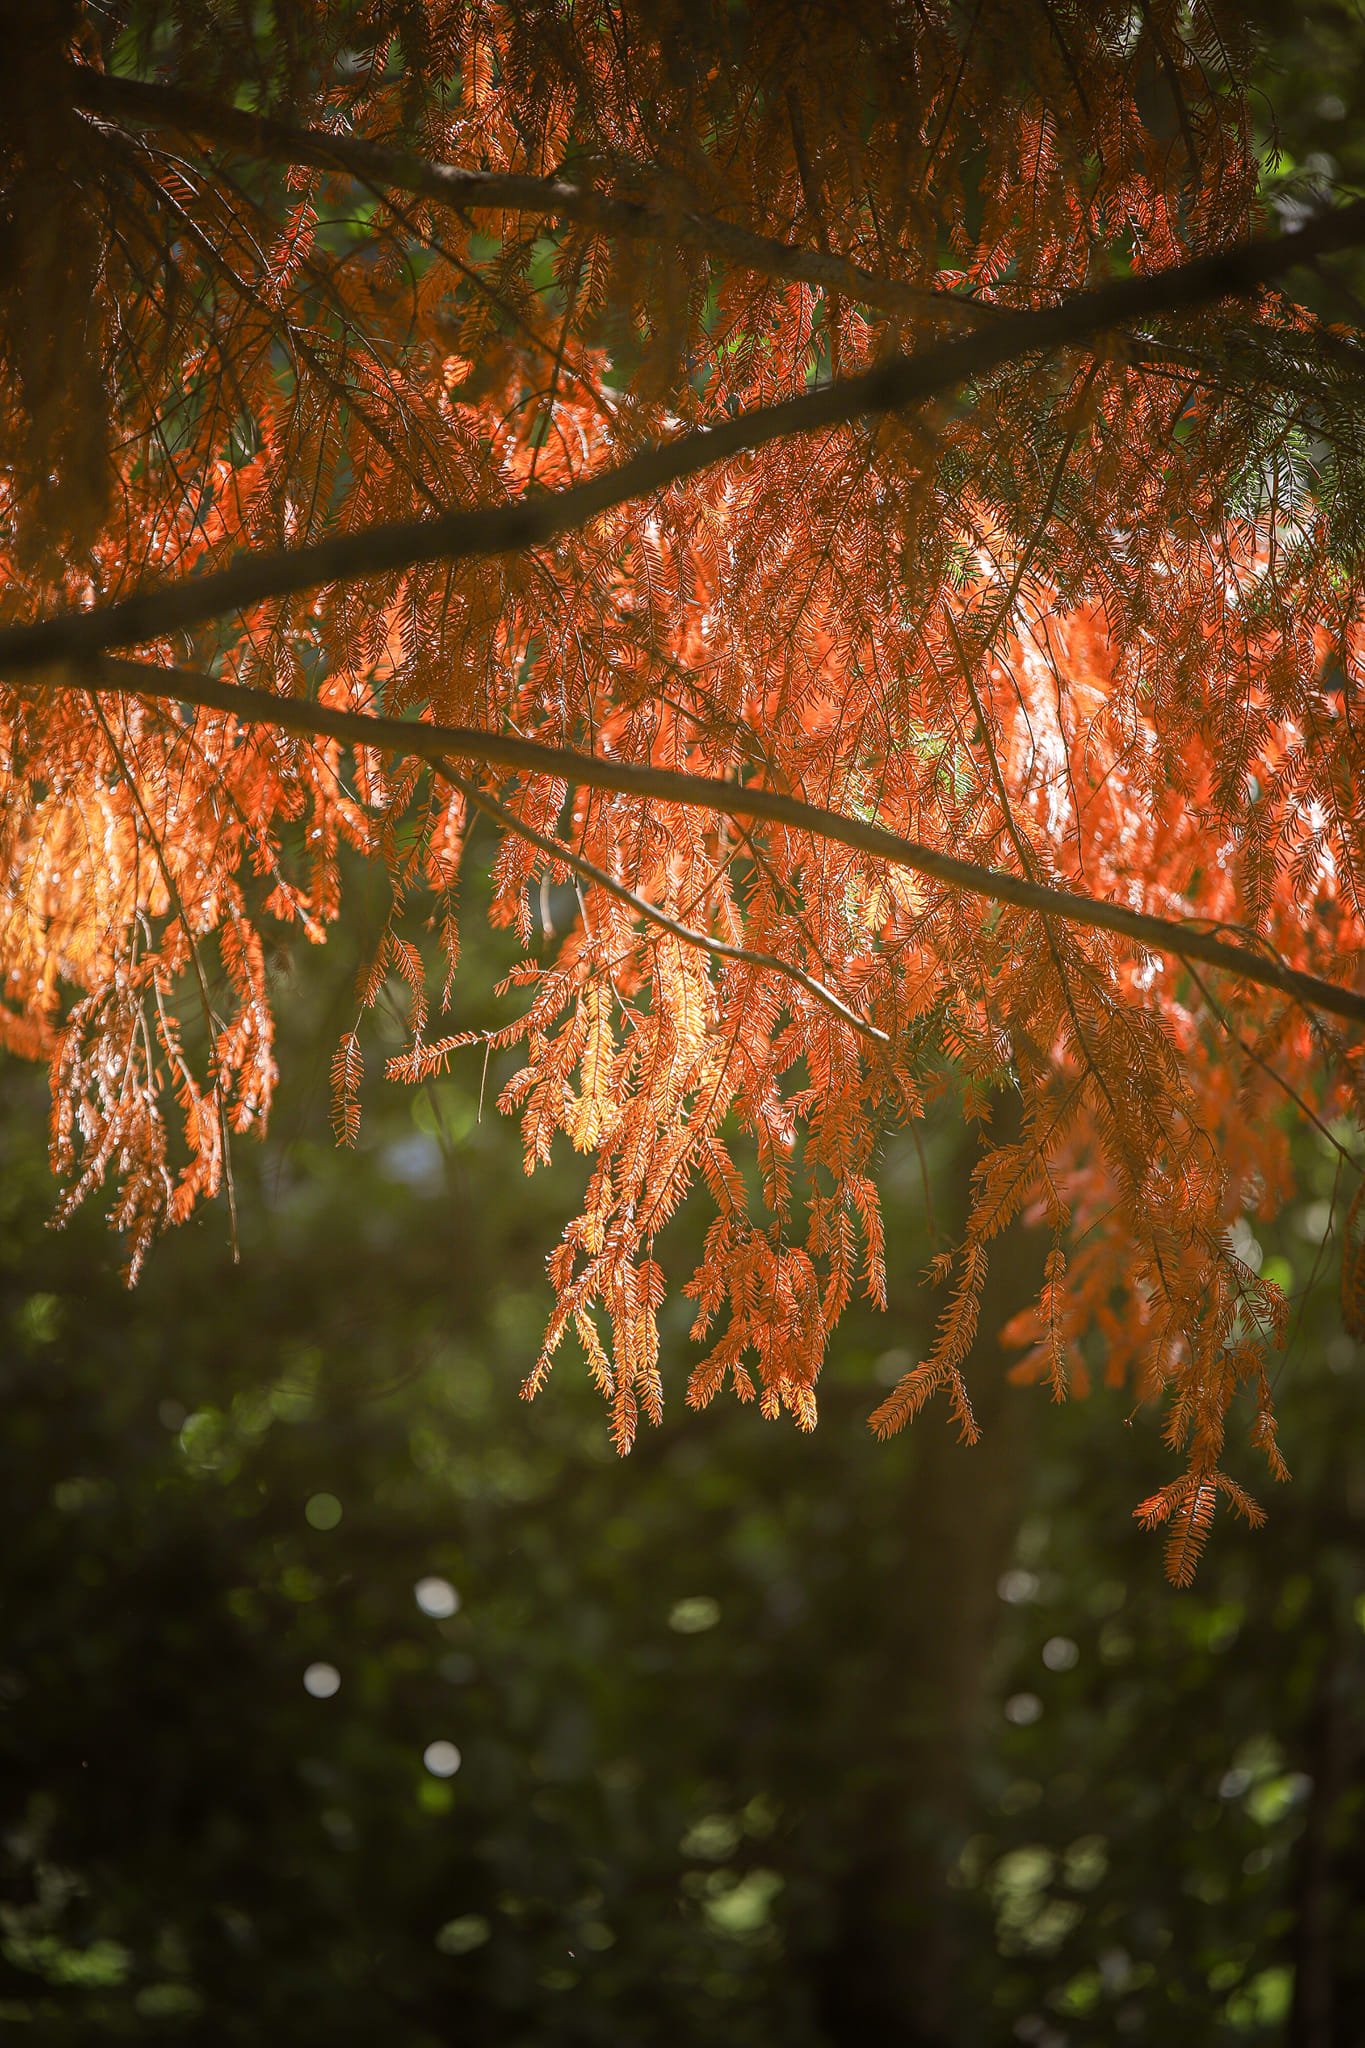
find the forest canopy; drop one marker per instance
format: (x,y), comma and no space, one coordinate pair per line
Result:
(862,508)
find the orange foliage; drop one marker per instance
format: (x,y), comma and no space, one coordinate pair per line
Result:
(1091,618)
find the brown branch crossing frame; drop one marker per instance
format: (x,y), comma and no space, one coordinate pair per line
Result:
(435,743)
(483,530)
(465,191)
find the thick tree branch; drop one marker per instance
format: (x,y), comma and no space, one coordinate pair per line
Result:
(464,191)
(528,522)
(435,743)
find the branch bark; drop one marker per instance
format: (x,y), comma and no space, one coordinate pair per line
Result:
(434,743)
(465,191)
(529,522)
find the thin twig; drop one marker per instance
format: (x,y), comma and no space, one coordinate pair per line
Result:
(210,1023)
(703,941)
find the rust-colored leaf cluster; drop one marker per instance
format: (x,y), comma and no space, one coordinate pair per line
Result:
(550,374)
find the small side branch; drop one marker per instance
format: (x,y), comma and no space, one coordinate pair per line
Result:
(588,871)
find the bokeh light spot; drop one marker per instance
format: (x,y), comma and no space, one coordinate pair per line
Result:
(1023,1709)
(691,1617)
(436,1597)
(458,1937)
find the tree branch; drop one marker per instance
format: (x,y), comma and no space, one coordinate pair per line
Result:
(464,191)
(653,913)
(528,522)
(434,743)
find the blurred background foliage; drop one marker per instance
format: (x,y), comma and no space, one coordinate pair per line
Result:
(345,1697)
